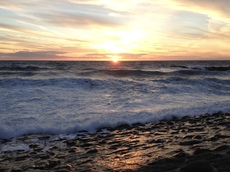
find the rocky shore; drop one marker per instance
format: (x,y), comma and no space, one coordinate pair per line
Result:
(189,144)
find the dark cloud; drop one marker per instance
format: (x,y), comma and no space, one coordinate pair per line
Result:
(25,55)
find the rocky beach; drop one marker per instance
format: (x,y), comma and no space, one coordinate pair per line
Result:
(189,144)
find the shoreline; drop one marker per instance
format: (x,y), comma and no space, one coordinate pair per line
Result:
(199,143)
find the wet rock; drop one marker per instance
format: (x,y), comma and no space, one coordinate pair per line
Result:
(53,162)
(4,141)
(51,153)
(122,127)
(170,122)
(137,124)
(42,165)
(150,141)
(185,118)
(72,150)
(43,156)
(21,158)
(180,154)
(18,169)
(198,137)
(92,151)
(34,146)
(188,136)
(227,123)
(60,156)
(162,131)
(54,148)
(198,167)
(33,153)
(86,145)
(174,132)
(189,142)
(70,143)
(45,137)
(197,129)
(219,136)
(159,133)
(38,149)
(63,168)
(201,151)
(159,141)
(221,148)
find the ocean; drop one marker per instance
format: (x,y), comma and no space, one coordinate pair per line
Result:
(67,97)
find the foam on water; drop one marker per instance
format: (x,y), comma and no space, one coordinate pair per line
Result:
(63,100)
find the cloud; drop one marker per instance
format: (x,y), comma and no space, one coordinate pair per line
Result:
(122,56)
(77,19)
(217,26)
(11,28)
(32,36)
(25,55)
(23,29)
(62,13)
(218,8)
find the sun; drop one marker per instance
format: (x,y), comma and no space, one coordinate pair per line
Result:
(114,58)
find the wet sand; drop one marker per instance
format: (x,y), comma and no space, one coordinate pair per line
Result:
(190,144)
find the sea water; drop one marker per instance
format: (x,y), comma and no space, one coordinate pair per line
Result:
(66,97)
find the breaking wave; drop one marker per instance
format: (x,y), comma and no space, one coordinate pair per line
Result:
(58,97)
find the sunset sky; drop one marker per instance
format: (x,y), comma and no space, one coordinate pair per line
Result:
(115,29)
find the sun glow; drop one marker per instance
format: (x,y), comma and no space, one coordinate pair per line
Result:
(117,42)
(114,58)
(112,47)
